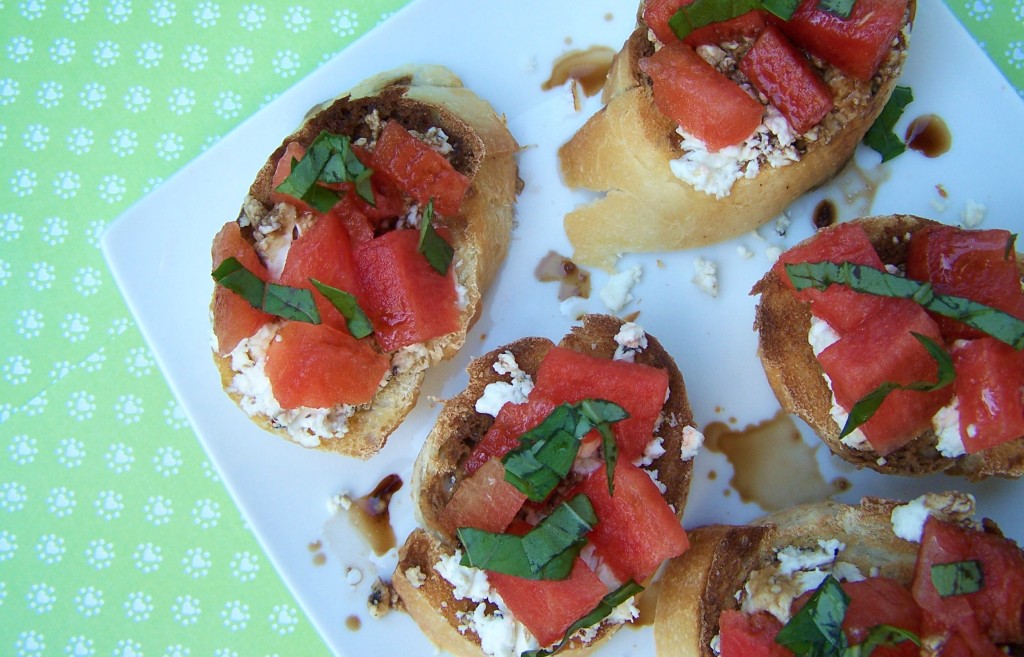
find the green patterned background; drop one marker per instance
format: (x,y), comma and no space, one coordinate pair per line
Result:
(116,535)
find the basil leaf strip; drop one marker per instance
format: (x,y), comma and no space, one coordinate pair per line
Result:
(881,635)
(861,278)
(292,303)
(329,159)
(881,137)
(355,319)
(437,251)
(817,629)
(840,8)
(958,578)
(546,453)
(866,406)
(705,12)
(547,552)
(601,413)
(601,611)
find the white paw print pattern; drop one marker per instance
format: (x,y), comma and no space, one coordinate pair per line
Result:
(124,142)
(11,226)
(35,406)
(31,9)
(206,514)
(151,184)
(92,96)
(127,648)
(148,557)
(23,182)
(80,140)
(1018,10)
(66,184)
(89,601)
(80,646)
(181,101)
(196,563)
(239,59)
(158,510)
(94,361)
(139,362)
(20,49)
(100,554)
(283,619)
(41,276)
(5,272)
(49,94)
(979,10)
(70,452)
(75,327)
(23,449)
(137,99)
(128,409)
(187,610)
(13,496)
(174,416)
(168,461)
(41,597)
(8,545)
(118,11)
(60,370)
(210,472)
(87,281)
(54,230)
(30,643)
(106,53)
(138,607)
(29,323)
(149,54)
(286,63)
(61,502)
(112,188)
(206,14)
(1015,55)
(109,504)
(162,13)
(50,549)
(252,17)
(170,146)
(245,566)
(36,137)
(75,11)
(344,22)
(235,615)
(177,650)
(195,58)
(228,104)
(16,370)
(94,232)
(9,90)
(119,458)
(118,326)
(297,19)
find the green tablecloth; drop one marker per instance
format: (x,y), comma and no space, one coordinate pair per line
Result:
(116,536)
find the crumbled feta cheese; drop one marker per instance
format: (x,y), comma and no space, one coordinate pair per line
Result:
(782,225)
(706,278)
(630,339)
(793,559)
(616,292)
(908,519)
(773,253)
(716,644)
(500,635)
(653,474)
(410,358)
(415,577)
(744,252)
(467,583)
(600,567)
(692,442)
(821,336)
(338,503)
(973,214)
(574,307)
(499,393)
(946,423)
(653,450)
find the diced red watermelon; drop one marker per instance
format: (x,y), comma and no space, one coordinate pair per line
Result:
(407,300)
(318,366)
(992,615)
(636,529)
(743,635)
(323,252)
(233,318)
(786,78)
(512,421)
(856,45)
(548,607)
(358,226)
(704,102)
(656,14)
(570,376)
(483,500)
(989,389)
(976,264)
(838,305)
(419,170)
(881,349)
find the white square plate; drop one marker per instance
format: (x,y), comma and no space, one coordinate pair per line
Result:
(504,51)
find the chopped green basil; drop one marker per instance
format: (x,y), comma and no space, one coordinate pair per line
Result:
(817,629)
(545,453)
(957,578)
(286,302)
(880,136)
(861,278)
(782,8)
(547,552)
(355,319)
(881,635)
(434,248)
(840,8)
(330,160)
(866,406)
(601,611)
(705,12)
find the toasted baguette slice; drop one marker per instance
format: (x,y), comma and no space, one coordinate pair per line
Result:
(419,98)
(624,150)
(429,597)
(782,323)
(702,583)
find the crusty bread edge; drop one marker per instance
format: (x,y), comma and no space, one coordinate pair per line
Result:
(782,323)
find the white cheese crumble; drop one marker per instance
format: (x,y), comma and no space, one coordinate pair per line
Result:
(499,393)
(773,253)
(631,339)
(706,276)
(415,577)
(973,214)
(821,336)
(744,252)
(946,424)
(654,450)
(574,307)
(616,292)
(908,519)
(693,440)
(715,173)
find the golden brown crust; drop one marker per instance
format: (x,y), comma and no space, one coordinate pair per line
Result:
(420,97)
(624,151)
(457,430)
(782,323)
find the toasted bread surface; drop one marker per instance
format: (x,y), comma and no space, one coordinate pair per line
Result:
(418,97)
(782,323)
(458,428)
(624,150)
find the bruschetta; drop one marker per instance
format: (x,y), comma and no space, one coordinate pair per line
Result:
(549,493)
(360,257)
(709,135)
(925,318)
(878,578)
